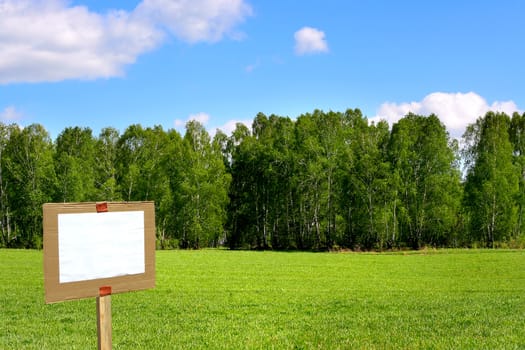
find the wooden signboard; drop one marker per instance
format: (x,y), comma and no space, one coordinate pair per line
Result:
(91,246)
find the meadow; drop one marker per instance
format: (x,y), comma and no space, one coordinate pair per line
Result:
(218,299)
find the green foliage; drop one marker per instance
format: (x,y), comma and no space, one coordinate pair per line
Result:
(216,299)
(330,179)
(492,183)
(105,165)
(32,182)
(366,195)
(517,138)
(327,180)
(199,183)
(428,184)
(74,158)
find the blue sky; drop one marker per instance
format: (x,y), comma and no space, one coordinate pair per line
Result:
(98,63)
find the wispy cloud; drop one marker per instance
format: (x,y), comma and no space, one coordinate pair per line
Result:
(10,115)
(455,110)
(205,119)
(251,67)
(197,20)
(229,127)
(201,117)
(53,41)
(310,40)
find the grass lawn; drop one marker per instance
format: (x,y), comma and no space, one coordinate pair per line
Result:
(448,299)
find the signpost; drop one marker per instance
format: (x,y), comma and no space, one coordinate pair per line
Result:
(98,249)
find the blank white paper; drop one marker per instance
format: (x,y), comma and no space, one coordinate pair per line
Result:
(100,245)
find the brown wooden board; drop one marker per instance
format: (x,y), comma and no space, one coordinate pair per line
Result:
(56,291)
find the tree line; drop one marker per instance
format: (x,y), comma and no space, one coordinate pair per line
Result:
(326,180)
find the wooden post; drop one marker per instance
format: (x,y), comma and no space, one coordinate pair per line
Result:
(104,319)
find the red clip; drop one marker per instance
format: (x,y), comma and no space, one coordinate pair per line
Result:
(103,291)
(102,207)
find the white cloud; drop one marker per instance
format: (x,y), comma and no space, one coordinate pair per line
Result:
(455,110)
(52,41)
(309,41)
(205,118)
(201,117)
(48,41)
(251,67)
(197,20)
(10,115)
(229,127)
(179,123)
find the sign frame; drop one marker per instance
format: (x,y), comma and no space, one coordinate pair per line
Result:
(56,291)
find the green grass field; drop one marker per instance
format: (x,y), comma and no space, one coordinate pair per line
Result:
(221,299)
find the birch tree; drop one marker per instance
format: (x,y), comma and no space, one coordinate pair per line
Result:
(492,182)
